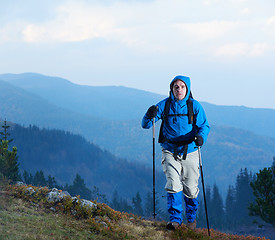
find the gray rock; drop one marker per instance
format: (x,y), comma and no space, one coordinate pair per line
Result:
(73,212)
(74,199)
(99,220)
(19,183)
(54,196)
(66,193)
(53,209)
(87,203)
(29,191)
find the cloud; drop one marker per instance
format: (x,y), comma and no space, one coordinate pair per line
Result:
(271,21)
(11,32)
(270,27)
(235,49)
(73,22)
(172,28)
(260,49)
(244,49)
(208,30)
(245,11)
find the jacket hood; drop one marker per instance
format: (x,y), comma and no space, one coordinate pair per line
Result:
(187,82)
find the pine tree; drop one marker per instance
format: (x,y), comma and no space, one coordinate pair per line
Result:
(96,195)
(120,204)
(217,212)
(148,206)
(244,196)
(264,191)
(115,201)
(8,162)
(39,179)
(79,188)
(137,205)
(125,206)
(51,182)
(201,214)
(229,208)
(27,177)
(5,134)
(201,218)
(9,167)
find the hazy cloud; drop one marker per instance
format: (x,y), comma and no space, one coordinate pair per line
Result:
(207,30)
(244,49)
(73,22)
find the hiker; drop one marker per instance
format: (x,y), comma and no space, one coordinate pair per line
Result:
(184,126)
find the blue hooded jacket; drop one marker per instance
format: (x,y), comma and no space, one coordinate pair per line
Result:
(177,128)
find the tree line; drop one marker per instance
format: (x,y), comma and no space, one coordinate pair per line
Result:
(252,194)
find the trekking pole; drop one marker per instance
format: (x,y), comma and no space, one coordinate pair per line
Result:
(154,177)
(202,181)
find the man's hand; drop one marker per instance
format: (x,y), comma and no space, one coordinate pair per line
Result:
(152,112)
(199,140)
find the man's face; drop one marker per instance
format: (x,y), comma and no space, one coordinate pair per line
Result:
(179,90)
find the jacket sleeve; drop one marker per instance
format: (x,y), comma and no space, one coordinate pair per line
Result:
(147,122)
(202,126)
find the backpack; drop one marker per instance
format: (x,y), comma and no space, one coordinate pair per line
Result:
(190,114)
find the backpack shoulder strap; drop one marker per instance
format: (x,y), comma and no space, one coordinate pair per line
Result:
(190,115)
(190,111)
(164,118)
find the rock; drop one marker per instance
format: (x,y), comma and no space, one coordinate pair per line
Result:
(99,220)
(53,209)
(19,183)
(66,193)
(74,200)
(29,191)
(105,225)
(54,196)
(87,204)
(54,190)
(73,212)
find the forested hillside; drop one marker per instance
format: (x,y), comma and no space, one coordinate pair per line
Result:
(63,155)
(227,148)
(65,158)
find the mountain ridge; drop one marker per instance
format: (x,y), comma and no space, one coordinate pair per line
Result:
(227,147)
(122,103)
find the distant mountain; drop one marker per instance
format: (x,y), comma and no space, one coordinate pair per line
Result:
(30,108)
(63,155)
(121,103)
(257,120)
(113,103)
(227,150)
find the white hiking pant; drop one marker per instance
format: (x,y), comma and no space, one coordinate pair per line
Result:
(181,175)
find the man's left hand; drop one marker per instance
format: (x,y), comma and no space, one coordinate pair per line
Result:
(199,140)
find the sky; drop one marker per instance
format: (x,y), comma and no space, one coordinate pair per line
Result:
(226,47)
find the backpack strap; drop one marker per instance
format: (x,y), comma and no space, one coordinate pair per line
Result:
(190,111)
(164,118)
(166,114)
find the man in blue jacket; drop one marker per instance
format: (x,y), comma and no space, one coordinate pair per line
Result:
(180,134)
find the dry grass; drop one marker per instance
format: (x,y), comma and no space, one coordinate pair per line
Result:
(23,220)
(26,219)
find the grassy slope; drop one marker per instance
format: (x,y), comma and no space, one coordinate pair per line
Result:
(23,218)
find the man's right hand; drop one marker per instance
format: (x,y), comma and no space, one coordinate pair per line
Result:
(152,112)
